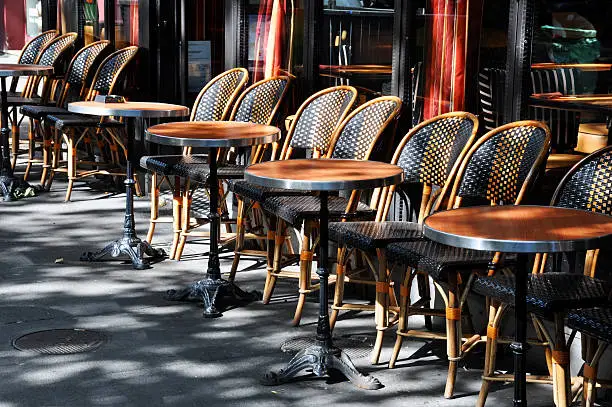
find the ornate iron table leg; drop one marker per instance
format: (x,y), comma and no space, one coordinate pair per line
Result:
(323,355)
(129,244)
(9,184)
(519,346)
(213,289)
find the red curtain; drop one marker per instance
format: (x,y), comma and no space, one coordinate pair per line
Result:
(445,79)
(134,22)
(269,38)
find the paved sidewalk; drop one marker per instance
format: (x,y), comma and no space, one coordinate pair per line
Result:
(164,353)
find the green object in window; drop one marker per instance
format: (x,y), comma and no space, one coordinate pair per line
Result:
(90,9)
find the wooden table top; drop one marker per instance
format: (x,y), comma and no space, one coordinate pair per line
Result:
(129,109)
(24,70)
(212,134)
(600,103)
(324,174)
(582,67)
(520,229)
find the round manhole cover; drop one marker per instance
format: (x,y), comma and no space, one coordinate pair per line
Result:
(355,346)
(60,341)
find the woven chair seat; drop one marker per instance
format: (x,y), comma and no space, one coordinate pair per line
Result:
(547,292)
(369,236)
(437,259)
(39,112)
(20,101)
(62,121)
(295,209)
(596,322)
(193,166)
(260,194)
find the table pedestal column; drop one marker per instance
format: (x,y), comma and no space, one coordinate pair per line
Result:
(9,185)
(213,290)
(323,355)
(129,244)
(519,346)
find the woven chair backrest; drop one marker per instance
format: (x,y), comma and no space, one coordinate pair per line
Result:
(78,71)
(31,51)
(215,99)
(259,103)
(502,164)
(429,151)
(356,136)
(588,185)
(109,71)
(318,117)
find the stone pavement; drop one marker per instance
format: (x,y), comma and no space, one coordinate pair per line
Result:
(165,353)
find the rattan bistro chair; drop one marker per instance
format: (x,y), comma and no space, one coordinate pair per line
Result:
(429,154)
(310,130)
(52,54)
(29,53)
(214,103)
(257,104)
(550,294)
(73,129)
(73,88)
(498,169)
(355,138)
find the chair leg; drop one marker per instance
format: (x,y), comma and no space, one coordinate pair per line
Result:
(424,293)
(561,365)
(275,253)
(339,289)
(47,155)
(239,244)
(381,305)
(31,149)
(177,211)
(495,312)
(453,335)
(154,207)
(185,214)
(591,353)
(306,256)
(403,316)
(72,159)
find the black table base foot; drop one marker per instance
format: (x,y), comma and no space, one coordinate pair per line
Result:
(132,247)
(215,293)
(321,358)
(13,188)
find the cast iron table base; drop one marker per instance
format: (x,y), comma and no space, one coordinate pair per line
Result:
(323,355)
(129,244)
(213,290)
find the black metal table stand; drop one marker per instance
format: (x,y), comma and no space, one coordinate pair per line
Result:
(213,289)
(520,346)
(129,244)
(323,355)
(9,184)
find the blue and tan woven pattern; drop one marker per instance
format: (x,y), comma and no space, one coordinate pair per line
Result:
(216,97)
(596,322)
(430,153)
(111,67)
(437,259)
(258,105)
(31,51)
(55,48)
(547,292)
(589,185)
(295,209)
(357,137)
(499,167)
(314,127)
(369,236)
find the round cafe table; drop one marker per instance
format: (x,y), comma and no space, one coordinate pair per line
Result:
(8,182)
(522,230)
(324,176)
(212,135)
(135,114)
